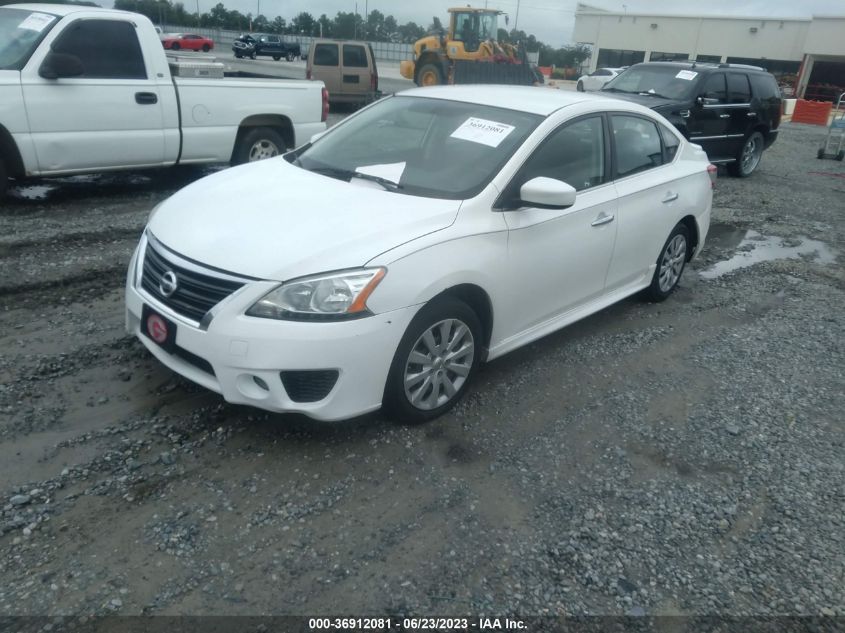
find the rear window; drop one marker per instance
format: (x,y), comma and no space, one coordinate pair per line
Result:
(354,56)
(325,55)
(739,90)
(765,86)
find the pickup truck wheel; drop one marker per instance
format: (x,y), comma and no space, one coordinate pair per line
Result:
(276,58)
(257,143)
(205,48)
(289,57)
(4,179)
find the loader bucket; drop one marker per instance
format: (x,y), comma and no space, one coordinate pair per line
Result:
(473,72)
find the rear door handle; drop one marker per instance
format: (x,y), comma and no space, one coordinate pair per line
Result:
(146,98)
(670,197)
(602,219)
(725,116)
(751,114)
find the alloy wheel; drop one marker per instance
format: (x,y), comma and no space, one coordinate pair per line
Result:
(672,262)
(262,149)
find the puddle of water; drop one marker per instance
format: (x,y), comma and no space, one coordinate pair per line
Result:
(33,192)
(755,248)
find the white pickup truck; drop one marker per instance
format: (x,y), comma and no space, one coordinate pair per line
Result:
(86,90)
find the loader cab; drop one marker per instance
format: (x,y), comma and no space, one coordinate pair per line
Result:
(471,27)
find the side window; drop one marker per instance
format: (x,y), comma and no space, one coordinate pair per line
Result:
(765,87)
(602,73)
(108,49)
(714,88)
(573,153)
(671,143)
(354,56)
(738,89)
(325,55)
(637,143)
(273,39)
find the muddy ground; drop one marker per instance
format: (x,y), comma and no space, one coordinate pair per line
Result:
(685,457)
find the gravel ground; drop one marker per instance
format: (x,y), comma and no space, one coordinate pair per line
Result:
(680,458)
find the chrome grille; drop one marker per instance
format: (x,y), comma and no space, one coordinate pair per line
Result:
(195,293)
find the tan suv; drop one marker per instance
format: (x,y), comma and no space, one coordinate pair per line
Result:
(347,67)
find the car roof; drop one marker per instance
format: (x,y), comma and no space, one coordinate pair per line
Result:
(532,99)
(704,66)
(61,10)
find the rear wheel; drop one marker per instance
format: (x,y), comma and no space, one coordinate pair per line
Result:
(579,86)
(670,264)
(434,363)
(748,157)
(237,55)
(252,55)
(257,143)
(4,179)
(276,58)
(175,46)
(820,153)
(205,48)
(840,155)
(289,57)
(430,75)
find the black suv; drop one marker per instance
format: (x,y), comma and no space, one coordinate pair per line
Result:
(255,44)
(731,110)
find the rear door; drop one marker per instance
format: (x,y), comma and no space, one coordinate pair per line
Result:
(355,71)
(110,116)
(326,66)
(742,119)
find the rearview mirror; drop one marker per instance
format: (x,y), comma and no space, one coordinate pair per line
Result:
(59,65)
(547,193)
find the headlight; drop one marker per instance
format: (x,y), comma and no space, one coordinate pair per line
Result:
(331,297)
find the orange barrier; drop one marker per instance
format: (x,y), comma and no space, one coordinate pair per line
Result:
(812,112)
(546,70)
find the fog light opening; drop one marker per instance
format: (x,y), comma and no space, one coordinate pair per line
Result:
(261,383)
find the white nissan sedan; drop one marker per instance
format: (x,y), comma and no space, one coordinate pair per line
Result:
(431,231)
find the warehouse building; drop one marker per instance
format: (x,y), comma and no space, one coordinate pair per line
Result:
(806,54)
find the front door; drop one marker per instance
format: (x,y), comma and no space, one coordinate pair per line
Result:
(558,259)
(111,116)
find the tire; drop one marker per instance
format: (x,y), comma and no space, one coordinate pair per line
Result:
(670,264)
(175,46)
(430,75)
(579,86)
(748,157)
(205,48)
(289,57)
(4,180)
(276,58)
(410,394)
(820,153)
(840,155)
(257,143)
(253,55)
(237,55)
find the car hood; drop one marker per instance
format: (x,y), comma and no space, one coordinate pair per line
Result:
(272,220)
(654,103)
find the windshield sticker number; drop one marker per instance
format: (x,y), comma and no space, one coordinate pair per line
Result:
(687,74)
(483,131)
(36,22)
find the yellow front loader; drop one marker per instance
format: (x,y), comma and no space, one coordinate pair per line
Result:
(468,53)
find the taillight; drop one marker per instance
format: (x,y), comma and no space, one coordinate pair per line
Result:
(325,104)
(373,83)
(712,172)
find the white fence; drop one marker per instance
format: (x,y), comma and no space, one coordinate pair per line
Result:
(384,51)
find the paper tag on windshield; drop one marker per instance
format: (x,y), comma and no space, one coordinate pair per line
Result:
(483,131)
(390,171)
(687,74)
(36,22)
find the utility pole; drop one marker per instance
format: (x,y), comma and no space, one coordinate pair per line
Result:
(355,20)
(198,12)
(516,19)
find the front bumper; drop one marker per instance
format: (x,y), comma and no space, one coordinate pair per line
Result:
(240,349)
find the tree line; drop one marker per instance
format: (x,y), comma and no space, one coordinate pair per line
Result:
(376,27)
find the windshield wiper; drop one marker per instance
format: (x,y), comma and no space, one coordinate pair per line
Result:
(651,93)
(616,90)
(349,174)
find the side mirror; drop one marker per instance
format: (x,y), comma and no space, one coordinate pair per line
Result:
(703,101)
(59,65)
(547,193)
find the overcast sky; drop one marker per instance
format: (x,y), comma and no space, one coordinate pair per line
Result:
(551,21)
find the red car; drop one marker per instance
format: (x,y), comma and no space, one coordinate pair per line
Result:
(187,41)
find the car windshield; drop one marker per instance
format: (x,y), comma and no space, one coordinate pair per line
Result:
(425,147)
(20,32)
(671,82)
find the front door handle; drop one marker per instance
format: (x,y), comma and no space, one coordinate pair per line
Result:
(602,219)
(670,197)
(751,114)
(146,98)
(724,116)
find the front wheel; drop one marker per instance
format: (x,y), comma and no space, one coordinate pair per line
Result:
(748,157)
(434,363)
(579,86)
(205,48)
(276,58)
(175,46)
(253,55)
(257,143)
(289,57)
(670,264)
(430,75)
(4,179)
(840,155)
